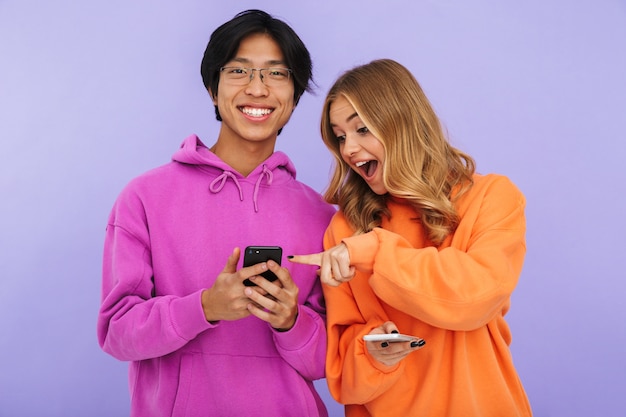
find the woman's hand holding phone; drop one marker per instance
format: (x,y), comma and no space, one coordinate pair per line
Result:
(388,346)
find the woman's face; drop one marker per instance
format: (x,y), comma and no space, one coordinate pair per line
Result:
(359,148)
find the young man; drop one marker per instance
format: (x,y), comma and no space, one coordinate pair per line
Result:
(200,342)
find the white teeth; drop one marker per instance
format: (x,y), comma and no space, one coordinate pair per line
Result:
(256,112)
(360,164)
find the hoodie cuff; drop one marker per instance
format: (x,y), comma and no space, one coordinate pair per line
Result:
(362,249)
(303,330)
(188,317)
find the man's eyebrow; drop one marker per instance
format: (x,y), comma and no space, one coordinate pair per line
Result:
(240,60)
(276,62)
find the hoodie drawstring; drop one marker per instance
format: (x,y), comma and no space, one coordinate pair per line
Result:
(265,173)
(218,183)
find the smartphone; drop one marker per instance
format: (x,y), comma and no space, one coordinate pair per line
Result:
(390,337)
(257,254)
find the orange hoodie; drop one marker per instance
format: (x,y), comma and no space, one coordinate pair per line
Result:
(454,296)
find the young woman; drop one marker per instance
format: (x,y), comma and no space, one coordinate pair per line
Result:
(422,245)
(174,303)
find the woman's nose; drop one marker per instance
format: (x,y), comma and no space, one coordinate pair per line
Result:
(350,146)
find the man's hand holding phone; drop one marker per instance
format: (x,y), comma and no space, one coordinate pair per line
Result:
(277,303)
(258,254)
(225,300)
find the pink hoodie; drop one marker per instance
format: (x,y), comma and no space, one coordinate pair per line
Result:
(168,237)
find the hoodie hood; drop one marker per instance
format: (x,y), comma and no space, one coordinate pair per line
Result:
(193,152)
(277,167)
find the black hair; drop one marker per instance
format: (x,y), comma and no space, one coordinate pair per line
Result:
(225,40)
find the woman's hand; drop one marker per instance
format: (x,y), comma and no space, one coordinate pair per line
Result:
(334,264)
(391,353)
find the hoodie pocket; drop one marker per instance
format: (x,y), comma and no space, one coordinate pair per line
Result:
(184,386)
(240,385)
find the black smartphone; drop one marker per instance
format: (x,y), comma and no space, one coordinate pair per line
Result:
(257,254)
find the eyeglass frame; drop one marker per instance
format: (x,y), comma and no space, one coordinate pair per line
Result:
(251,70)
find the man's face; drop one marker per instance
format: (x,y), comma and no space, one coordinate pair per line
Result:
(253,110)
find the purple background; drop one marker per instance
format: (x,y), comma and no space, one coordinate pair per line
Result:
(94,93)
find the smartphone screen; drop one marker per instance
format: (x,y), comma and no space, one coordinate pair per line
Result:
(390,337)
(257,254)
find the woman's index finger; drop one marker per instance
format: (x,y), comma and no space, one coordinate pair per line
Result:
(312,259)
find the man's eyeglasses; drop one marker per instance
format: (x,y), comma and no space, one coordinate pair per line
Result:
(271,77)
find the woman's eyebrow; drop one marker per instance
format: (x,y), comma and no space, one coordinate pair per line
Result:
(352,116)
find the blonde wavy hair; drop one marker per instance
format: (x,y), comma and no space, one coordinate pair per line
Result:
(420,166)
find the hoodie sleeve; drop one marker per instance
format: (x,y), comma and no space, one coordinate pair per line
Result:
(467,281)
(353,375)
(460,287)
(304,345)
(132,323)
(348,363)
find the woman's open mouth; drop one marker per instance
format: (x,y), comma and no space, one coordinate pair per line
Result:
(367,168)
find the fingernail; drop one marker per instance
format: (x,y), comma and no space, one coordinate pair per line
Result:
(384,344)
(289,256)
(418,343)
(394,331)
